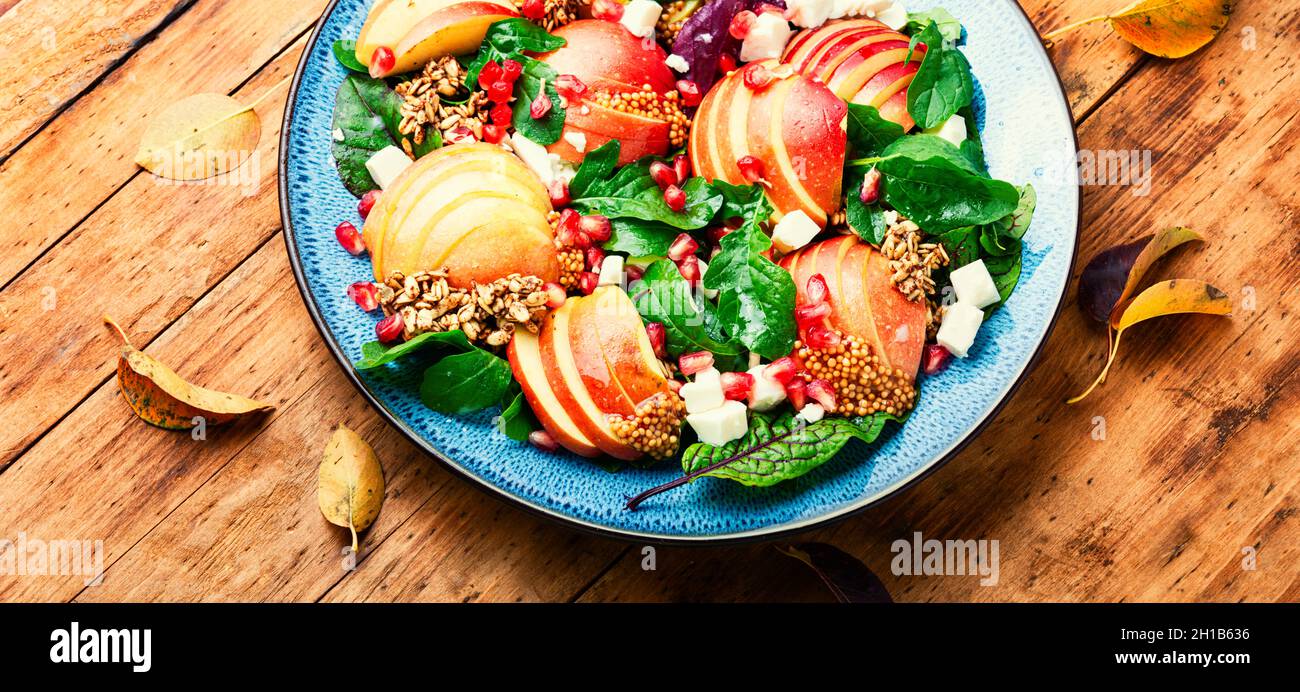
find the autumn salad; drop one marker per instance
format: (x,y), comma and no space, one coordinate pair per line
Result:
(727,233)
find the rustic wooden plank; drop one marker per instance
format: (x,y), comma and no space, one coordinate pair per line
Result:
(68,169)
(1198,458)
(54,50)
(145,257)
(1092,60)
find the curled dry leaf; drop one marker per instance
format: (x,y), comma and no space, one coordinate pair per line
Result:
(1163,28)
(1113,275)
(1178,296)
(199,137)
(350,487)
(849,580)
(161,397)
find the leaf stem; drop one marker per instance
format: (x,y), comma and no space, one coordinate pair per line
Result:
(110,322)
(1050,38)
(633,503)
(1102,377)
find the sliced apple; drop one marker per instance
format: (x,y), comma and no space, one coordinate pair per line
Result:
(419,31)
(526,362)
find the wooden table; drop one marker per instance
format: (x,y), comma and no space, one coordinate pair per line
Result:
(1197,462)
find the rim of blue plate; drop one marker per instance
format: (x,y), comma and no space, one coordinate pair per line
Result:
(755,535)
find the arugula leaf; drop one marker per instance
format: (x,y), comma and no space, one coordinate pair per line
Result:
(665,297)
(376,354)
(637,196)
(597,165)
(948,25)
(368,113)
(779,448)
(756,297)
(940,196)
(513,39)
(516,419)
(346,53)
(466,382)
(869,132)
(944,83)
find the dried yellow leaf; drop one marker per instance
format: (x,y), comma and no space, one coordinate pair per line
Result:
(161,397)
(350,487)
(1160,245)
(1174,297)
(199,137)
(1164,28)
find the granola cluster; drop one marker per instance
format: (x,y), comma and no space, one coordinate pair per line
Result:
(488,314)
(437,98)
(557,13)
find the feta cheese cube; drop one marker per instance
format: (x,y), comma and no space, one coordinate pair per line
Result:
(721,425)
(812,413)
(677,63)
(767,392)
(961,321)
(338,135)
(794,231)
(893,16)
(577,140)
(611,271)
(810,13)
(953,129)
(640,17)
(386,165)
(534,156)
(766,38)
(973,284)
(705,393)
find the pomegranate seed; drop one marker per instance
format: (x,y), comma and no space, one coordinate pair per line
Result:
(587,282)
(683,246)
(936,359)
(461,135)
(570,87)
(365,294)
(726,63)
(823,393)
(870,193)
(543,441)
(817,289)
(595,258)
(608,10)
(690,93)
(797,392)
(567,227)
(501,114)
(821,338)
(736,386)
(658,337)
(511,69)
(690,269)
(533,9)
(741,24)
(559,192)
(682,167)
(691,363)
(493,134)
(757,77)
(717,233)
(491,72)
(597,227)
(349,238)
(499,91)
(367,203)
(663,175)
(781,370)
(675,198)
(390,329)
(382,62)
(768,7)
(675,386)
(751,168)
(633,272)
(807,316)
(555,295)
(540,106)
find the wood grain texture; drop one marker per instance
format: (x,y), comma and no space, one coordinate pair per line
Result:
(1198,459)
(55,50)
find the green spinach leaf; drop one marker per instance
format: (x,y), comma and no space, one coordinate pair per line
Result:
(597,166)
(516,419)
(466,382)
(633,194)
(665,297)
(367,113)
(869,132)
(921,146)
(944,83)
(948,25)
(346,53)
(640,238)
(536,76)
(513,39)
(940,196)
(866,220)
(376,354)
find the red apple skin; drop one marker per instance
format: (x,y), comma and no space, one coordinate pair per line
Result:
(795,126)
(607,58)
(862,61)
(526,363)
(864,302)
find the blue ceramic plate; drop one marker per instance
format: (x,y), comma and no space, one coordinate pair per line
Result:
(1029,137)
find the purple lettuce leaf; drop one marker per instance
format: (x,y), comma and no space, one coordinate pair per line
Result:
(704,39)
